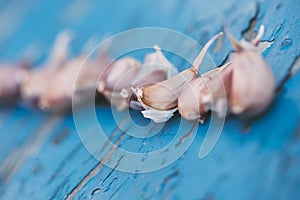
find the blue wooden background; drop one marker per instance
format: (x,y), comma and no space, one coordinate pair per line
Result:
(41,155)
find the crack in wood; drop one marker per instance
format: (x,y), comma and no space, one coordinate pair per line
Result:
(183,138)
(249,32)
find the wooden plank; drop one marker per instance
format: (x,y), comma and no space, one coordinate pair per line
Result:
(258,159)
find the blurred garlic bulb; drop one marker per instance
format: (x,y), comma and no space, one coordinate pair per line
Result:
(11,77)
(160,99)
(74,80)
(253,82)
(38,79)
(57,96)
(210,92)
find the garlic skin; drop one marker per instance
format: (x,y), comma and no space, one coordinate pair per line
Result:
(163,96)
(253,82)
(209,92)
(11,78)
(37,80)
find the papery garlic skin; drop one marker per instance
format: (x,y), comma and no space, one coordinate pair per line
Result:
(159,116)
(253,82)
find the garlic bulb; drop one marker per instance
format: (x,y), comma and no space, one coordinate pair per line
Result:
(37,80)
(160,99)
(57,96)
(74,80)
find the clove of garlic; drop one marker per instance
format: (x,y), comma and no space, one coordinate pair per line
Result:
(206,93)
(122,72)
(163,96)
(253,82)
(125,73)
(115,78)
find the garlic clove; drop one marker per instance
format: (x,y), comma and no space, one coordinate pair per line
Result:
(122,72)
(116,77)
(154,69)
(163,95)
(248,96)
(205,93)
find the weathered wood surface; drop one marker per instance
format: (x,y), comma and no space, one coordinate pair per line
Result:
(42,156)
